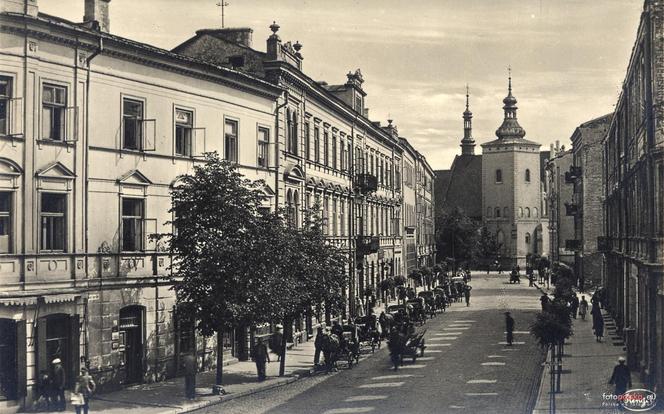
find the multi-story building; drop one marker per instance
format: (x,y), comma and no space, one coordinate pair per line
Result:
(559,199)
(634,204)
(424,207)
(586,175)
(409,208)
(96,131)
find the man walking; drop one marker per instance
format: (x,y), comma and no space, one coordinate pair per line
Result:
(466,293)
(58,385)
(318,345)
(621,377)
(190,369)
(260,356)
(509,328)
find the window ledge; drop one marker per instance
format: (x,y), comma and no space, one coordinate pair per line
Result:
(18,137)
(56,143)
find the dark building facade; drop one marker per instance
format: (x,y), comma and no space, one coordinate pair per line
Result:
(634,204)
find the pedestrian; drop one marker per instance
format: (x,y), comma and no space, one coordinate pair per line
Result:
(466,293)
(318,345)
(531,279)
(583,307)
(84,388)
(544,301)
(518,269)
(58,385)
(499,267)
(548,278)
(599,329)
(509,328)
(260,357)
(190,368)
(574,306)
(621,377)
(45,389)
(337,329)
(276,341)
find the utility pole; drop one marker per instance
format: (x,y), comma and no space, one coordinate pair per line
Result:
(223,4)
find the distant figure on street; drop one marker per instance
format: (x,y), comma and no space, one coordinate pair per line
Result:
(58,385)
(499,267)
(544,300)
(190,369)
(261,357)
(276,341)
(318,345)
(574,306)
(599,328)
(518,269)
(466,293)
(583,307)
(509,328)
(621,377)
(85,386)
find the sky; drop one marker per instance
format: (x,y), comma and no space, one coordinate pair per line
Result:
(568,57)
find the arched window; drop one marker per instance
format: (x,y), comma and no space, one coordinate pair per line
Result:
(527,238)
(534,211)
(500,238)
(497,212)
(520,211)
(290,208)
(499,176)
(527,175)
(506,212)
(527,212)
(489,210)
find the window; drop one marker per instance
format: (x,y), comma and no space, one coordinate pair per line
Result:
(527,238)
(527,211)
(527,175)
(342,217)
(342,155)
(520,211)
(263,147)
(326,215)
(291,129)
(5,222)
(52,216)
(497,212)
(499,176)
(307,141)
(326,148)
(230,140)
(132,224)
(5,98)
(132,119)
(54,106)
(316,144)
(291,210)
(348,159)
(334,218)
(334,152)
(184,123)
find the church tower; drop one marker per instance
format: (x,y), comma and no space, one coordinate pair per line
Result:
(468,142)
(512,189)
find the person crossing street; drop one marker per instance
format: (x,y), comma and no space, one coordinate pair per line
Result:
(509,328)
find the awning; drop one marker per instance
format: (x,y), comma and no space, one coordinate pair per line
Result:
(66,297)
(19,301)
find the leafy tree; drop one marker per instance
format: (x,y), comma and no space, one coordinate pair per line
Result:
(217,266)
(488,246)
(456,236)
(549,329)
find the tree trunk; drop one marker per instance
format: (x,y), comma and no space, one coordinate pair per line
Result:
(282,362)
(220,356)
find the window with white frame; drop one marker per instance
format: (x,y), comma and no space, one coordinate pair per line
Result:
(133,214)
(263,147)
(342,216)
(6,230)
(291,128)
(132,124)
(307,141)
(326,148)
(230,140)
(5,100)
(334,217)
(54,108)
(316,144)
(499,176)
(334,152)
(52,214)
(184,125)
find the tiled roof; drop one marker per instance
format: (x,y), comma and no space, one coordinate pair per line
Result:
(464,189)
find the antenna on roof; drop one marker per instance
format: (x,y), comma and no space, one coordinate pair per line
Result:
(223,4)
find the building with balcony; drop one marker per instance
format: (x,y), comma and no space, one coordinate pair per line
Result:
(634,202)
(560,194)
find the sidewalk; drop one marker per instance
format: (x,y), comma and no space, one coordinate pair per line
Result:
(239,379)
(587,368)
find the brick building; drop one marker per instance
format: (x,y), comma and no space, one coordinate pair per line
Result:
(634,204)
(559,198)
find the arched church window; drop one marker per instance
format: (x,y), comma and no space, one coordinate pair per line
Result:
(527,175)
(497,211)
(500,238)
(527,238)
(499,176)
(527,212)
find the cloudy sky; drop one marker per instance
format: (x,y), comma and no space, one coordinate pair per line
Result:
(568,57)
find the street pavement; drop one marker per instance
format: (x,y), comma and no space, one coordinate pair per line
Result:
(467,367)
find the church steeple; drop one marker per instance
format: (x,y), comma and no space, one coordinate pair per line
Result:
(467,143)
(510,129)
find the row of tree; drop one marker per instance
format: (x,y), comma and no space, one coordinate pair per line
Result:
(237,264)
(464,240)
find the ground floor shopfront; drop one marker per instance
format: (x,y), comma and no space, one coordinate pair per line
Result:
(635,295)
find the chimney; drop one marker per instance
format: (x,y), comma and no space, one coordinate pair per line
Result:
(28,7)
(97,11)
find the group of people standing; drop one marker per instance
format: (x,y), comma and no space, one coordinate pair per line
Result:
(53,383)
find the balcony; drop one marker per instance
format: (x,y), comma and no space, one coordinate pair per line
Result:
(573,174)
(366,183)
(573,245)
(367,245)
(571,209)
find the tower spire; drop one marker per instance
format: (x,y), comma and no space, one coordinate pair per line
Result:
(467,143)
(510,127)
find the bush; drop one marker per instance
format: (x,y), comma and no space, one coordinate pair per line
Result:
(549,329)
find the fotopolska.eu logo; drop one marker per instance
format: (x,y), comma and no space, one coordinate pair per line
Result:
(638,399)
